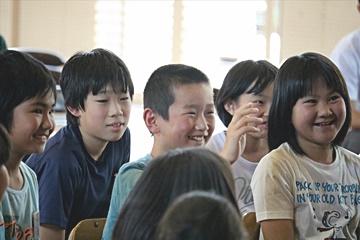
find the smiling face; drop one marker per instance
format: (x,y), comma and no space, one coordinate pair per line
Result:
(191,118)
(318,117)
(106,115)
(261,101)
(33,123)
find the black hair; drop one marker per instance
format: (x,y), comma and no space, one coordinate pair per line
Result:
(201,215)
(4,146)
(87,72)
(237,81)
(165,178)
(159,92)
(22,77)
(297,77)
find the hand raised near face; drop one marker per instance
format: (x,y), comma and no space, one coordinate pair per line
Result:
(242,122)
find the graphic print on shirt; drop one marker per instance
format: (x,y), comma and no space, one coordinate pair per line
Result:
(329,224)
(335,201)
(14,231)
(244,194)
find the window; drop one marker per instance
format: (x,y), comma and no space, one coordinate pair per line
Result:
(210,35)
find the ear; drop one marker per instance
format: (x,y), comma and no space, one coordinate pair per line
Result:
(230,106)
(74,111)
(358,7)
(150,119)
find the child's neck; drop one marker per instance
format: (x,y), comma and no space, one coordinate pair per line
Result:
(324,155)
(94,147)
(15,176)
(255,149)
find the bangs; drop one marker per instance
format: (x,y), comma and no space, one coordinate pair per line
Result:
(259,86)
(313,74)
(113,76)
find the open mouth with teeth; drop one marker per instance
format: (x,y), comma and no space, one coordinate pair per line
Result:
(43,137)
(116,125)
(199,139)
(324,123)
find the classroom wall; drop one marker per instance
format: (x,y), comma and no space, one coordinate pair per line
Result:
(68,25)
(315,25)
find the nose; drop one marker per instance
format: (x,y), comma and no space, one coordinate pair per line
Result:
(324,109)
(267,109)
(115,109)
(48,121)
(201,124)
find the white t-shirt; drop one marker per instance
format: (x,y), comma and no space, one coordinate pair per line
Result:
(242,170)
(323,200)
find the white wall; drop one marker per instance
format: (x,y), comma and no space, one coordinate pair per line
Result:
(67,26)
(315,25)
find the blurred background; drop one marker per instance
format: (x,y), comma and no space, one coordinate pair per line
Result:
(210,35)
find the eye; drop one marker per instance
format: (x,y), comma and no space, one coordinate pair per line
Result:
(258,102)
(52,111)
(124,98)
(210,111)
(311,101)
(191,113)
(333,98)
(102,101)
(38,111)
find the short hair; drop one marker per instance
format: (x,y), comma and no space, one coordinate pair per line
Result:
(200,215)
(298,77)
(237,81)
(87,72)
(22,77)
(159,92)
(4,146)
(167,177)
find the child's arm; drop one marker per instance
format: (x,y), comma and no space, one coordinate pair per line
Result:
(236,132)
(279,229)
(51,232)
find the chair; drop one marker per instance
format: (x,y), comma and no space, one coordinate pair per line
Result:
(88,229)
(253,228)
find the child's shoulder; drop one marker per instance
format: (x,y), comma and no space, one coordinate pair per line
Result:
(28,173)
(139,164)
(347,155)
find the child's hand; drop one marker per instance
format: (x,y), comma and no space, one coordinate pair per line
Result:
(236,132)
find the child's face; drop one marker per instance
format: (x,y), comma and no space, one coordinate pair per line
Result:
(191,118)
(106,115)
(318,117)
(33,123)
(4,180)
(262,102)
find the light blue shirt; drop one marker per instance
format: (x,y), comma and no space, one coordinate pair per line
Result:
(2,227)
(20,208)
(126,179)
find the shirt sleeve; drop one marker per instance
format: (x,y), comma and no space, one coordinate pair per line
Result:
(271,187)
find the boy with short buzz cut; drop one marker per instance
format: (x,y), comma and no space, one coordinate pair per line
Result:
(77,169)
(179,113)
(28,96)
